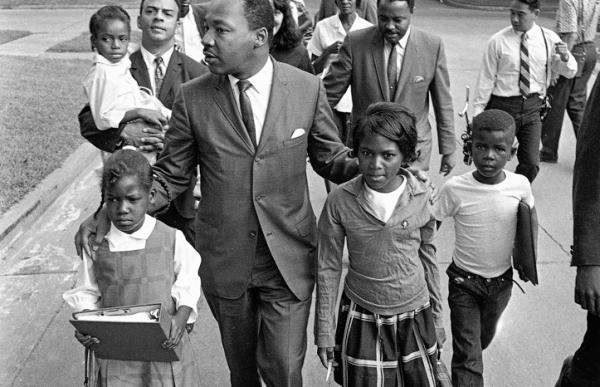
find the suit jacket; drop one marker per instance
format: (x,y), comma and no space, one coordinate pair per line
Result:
(244,190)
(180,69)
(586,185)
(424,73)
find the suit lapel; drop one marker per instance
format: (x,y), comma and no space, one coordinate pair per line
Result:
(139,71)
(380,71)
(171,76)
(409,58)
(224,98)
(277,103)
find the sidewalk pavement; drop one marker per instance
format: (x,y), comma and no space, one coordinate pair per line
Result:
(37,259)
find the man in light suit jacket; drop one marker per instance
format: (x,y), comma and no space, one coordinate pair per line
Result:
(179,69)
(419,72)
(249,126)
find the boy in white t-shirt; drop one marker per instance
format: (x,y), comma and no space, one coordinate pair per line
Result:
(484,206)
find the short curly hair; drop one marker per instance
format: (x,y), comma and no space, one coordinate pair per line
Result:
(108,12)
(392,121)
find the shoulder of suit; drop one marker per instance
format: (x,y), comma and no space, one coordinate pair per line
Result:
(364,33)
(417,33)
(293,74)
(193,68)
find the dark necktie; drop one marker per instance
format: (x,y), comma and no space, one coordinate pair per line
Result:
(524,68)
(158,75)
(246,109)
(392,71)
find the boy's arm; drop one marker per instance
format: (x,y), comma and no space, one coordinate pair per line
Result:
(329,271)
(186,288)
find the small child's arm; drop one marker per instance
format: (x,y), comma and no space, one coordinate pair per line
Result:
(86,294)
(185,290)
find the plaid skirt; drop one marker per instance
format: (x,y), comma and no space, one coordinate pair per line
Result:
(384,351)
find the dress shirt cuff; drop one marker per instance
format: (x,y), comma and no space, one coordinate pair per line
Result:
(324,341)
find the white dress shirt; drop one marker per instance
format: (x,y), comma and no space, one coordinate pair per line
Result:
(112,91)
(185,290)
(327,32)
(400,47)
(258,93)
(499,74)
(188,36)
(151,66)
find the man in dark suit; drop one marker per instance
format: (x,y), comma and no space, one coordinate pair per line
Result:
(157,21)
(249,126)
(417,71)
(583,369)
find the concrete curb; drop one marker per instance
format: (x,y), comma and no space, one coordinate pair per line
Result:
(26,211)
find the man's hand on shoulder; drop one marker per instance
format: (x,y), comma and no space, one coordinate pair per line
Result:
(587,288)
(448,163)
(143,136)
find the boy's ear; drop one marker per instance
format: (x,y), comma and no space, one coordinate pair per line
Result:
(152,196)
(93,42)
(513,149)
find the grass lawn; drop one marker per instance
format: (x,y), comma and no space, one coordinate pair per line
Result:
(10,35)
(38,120)
(81,43)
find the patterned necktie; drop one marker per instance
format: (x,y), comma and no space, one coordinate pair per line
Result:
(246,108)
(524,70)
(392,71)
(158,75)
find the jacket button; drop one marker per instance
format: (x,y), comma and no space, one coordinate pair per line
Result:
(259,198)
(252,234)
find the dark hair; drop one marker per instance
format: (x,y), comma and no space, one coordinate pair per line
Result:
(176,2)
(411,3)
(532,4)
(392,121)
(108,12)
(289,35)
(494,120)
(125,162)
(259,14)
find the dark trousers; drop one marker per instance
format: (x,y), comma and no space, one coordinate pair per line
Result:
(264,331)
(476,304)
(569,95)
(526,113)
(585,367)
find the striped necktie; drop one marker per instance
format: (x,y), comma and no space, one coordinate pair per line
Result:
(524,75)
(158,75)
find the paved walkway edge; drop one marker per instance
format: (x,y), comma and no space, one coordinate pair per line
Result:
(38,200)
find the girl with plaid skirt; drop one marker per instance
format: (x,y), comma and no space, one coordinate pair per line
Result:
(389,319)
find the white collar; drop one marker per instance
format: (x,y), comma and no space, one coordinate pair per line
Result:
(261,81)
(115,236)
(149,57)
(102,60)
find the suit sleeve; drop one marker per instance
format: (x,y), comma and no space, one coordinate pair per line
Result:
(442,104)
(339,76)
(174,168)
(106,140)
(328,156)
(586,186)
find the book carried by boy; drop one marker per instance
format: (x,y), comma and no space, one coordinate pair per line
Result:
(525,247)
(128,332)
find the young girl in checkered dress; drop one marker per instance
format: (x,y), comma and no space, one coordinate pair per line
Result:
(389,319)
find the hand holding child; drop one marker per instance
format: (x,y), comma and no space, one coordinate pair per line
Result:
(86,340)
(178,327)
(151,116)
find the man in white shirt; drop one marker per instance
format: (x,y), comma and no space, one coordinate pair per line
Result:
(518,64)
(188,35)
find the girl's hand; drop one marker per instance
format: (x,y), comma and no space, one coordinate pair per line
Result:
(326,356)
(178,327)
(86,340)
